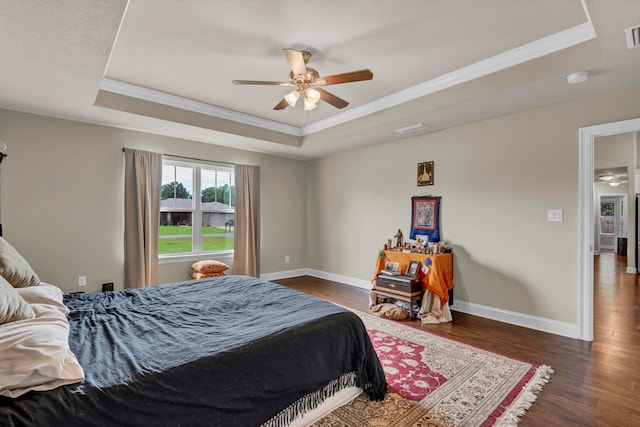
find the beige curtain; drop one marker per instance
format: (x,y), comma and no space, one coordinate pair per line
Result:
(247,223)
(142,180)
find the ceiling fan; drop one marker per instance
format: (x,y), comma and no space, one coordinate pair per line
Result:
(305,78)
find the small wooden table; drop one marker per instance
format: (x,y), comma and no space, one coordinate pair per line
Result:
(437,282)
(402,288)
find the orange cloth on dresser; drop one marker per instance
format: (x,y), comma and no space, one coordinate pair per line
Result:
(439,278)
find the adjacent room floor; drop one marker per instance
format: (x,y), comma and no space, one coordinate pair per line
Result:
(595,384)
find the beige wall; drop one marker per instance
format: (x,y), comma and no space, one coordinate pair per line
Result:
(62,198)
(62,202)
(497,179)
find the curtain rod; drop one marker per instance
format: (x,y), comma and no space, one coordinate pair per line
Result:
(195,158)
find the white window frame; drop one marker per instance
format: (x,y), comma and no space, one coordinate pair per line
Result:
(615,207)
(619,201)
(196,220)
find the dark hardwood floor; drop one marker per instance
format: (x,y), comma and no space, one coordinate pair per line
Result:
(594,384)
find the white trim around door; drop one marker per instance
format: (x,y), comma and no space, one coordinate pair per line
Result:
(586,139)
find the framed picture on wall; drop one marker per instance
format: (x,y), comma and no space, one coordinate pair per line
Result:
(425,217)
(425,173)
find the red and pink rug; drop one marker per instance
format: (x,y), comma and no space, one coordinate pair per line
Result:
(435,381)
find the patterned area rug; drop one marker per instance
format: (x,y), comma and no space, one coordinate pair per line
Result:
(435,381)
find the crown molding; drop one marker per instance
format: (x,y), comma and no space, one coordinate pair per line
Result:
(156,96)
(536,49)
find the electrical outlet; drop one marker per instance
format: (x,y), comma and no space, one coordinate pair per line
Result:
(286,259)
(82,280)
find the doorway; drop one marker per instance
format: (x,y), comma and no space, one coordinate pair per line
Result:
(586,141)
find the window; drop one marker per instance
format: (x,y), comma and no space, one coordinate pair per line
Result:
(197,209)
(612,216)
(607,212)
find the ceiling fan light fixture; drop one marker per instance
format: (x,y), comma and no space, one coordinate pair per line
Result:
(605,177)
(308,104)
(292,97)
(304,78)
(614,183)
(312,95)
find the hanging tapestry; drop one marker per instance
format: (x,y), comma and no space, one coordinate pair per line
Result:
(425,217)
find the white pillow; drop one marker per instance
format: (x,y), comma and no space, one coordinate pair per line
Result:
(15,268)
(12,306)
(35,353)
(44,293)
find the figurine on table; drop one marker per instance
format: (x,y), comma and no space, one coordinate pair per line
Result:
(399,239)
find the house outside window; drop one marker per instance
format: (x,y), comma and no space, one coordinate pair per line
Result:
(197,210)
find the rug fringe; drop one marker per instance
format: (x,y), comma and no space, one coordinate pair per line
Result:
(512,414)
(313,400)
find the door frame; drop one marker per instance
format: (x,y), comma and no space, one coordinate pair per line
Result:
(586,141)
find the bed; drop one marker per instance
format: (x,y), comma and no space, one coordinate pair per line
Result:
(224,351)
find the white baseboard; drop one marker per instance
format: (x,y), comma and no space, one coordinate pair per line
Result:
(632,270)
(358,283)
(285,274)
(550,326)
(564,329)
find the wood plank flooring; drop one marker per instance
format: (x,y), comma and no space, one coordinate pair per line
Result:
(594,384)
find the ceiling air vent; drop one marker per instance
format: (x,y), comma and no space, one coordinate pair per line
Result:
(410,129)
(633,36)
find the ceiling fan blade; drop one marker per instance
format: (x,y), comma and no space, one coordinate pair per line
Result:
(296,62)
(332,99)
(353,76)
(260,82)
(281,105)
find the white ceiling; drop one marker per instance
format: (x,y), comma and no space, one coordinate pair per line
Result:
(166,66)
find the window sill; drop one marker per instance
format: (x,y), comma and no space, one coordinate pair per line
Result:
(170,259)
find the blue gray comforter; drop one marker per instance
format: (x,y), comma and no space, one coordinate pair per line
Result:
(228,351)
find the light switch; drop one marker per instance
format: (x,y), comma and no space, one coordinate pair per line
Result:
(554,215)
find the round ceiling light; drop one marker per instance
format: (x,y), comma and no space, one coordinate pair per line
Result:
(579,77)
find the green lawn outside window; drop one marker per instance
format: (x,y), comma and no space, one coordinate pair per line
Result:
(177,245)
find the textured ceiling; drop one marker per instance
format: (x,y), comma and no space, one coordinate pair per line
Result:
(166,66)
(215,42)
